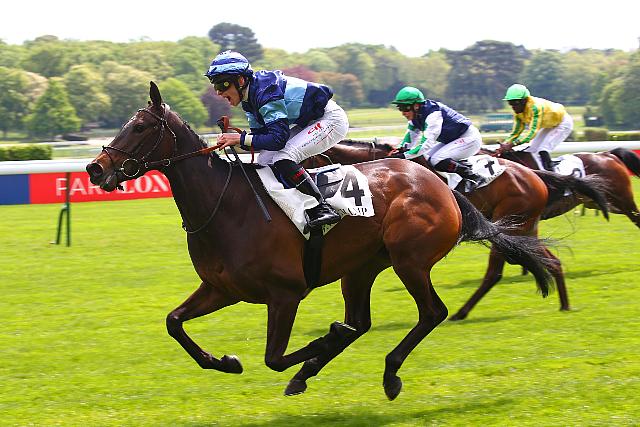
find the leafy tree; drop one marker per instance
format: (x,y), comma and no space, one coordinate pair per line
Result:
(346,88)
(319,60)
(36,86)
(480,74)
(13,101)
(630,102)
(235,37)
(428,73)
(301,72)
(192,55)
(543,75)
(152,57)
(128,89)
(11,56)
(216,106)
(47,57)
(53,113)
(354,59)
(611,102)
(86,93)
(181,99)
(277,59)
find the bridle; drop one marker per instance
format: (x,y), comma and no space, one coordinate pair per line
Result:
(138,165)
(134,170)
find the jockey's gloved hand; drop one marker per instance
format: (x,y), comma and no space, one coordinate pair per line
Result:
(397,153)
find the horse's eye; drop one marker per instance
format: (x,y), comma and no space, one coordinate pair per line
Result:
(138,128)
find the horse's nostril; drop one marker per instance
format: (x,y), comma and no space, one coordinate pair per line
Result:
(94,170)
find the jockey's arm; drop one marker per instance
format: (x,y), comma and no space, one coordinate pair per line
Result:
(433,127)
(534,126)
(272,136)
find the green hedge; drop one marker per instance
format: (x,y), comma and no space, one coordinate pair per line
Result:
(631,136)
(595,134)
(25,152)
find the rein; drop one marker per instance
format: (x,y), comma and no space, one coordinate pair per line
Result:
(165,162)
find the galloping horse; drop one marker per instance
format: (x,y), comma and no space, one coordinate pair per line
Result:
(611,166)
(241,257)
(517,193)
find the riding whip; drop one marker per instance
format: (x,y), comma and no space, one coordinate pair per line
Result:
(223,122)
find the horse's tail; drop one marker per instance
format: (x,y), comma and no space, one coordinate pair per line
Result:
(630,159)
(527,251)
(591,186)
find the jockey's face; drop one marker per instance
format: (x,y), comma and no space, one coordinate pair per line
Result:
(408,111)
(230,93)
(517,105)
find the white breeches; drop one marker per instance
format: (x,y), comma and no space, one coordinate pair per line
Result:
(548,139)
(467,145)
(317,137)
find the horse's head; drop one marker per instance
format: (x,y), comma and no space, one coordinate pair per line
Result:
(144,139)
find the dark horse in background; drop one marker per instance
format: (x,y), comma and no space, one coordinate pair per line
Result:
(517,193)
(612,167)
(241,257)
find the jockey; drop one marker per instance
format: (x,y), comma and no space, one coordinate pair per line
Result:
(549,124)
(290,120)
(437,132)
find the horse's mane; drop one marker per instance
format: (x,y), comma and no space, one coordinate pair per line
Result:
(374,143)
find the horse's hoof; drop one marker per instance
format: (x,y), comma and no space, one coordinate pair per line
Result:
(457,317)
(392,387)
(231,364)
(295,387)
(565,309)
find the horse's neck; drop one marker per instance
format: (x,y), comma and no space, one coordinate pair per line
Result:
(197,182)
(522,157)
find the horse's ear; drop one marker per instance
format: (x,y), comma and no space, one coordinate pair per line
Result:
(154,93)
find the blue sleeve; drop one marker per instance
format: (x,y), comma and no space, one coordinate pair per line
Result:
(272,137)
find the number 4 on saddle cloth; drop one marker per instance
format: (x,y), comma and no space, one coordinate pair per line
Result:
(343,187)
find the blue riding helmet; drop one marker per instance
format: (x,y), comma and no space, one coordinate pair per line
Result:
(229,62)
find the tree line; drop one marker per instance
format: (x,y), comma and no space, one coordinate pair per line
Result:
(50,86)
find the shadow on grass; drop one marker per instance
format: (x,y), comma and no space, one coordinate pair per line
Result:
(366,417)
(514,279)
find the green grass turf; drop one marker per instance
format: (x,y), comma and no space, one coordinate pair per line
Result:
(83,339)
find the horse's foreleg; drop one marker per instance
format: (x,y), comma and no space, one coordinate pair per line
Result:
(431,311)
(356,291)
(491,277)
(206,299)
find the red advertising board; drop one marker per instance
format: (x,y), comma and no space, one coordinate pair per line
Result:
(51,188)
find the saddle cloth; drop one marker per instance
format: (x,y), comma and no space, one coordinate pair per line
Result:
(487,167)
(343,187)
(569,165)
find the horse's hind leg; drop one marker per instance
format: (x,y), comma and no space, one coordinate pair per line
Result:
(206,299)
(431,312)
(491,277)
(356,291)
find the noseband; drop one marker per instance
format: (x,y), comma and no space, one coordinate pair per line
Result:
(134,164)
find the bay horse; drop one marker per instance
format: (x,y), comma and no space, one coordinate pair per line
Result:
(241,257)
(517,193)
(612,167)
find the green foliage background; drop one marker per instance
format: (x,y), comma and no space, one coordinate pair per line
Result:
(84,341)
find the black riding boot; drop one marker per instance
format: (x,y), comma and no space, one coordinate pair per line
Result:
(452,166)
(545,157)
(323,214)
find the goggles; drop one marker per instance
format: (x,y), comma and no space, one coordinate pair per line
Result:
(221,85)
(405,107)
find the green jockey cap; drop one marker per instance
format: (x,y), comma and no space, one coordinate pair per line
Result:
(408,95)
(516,91)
